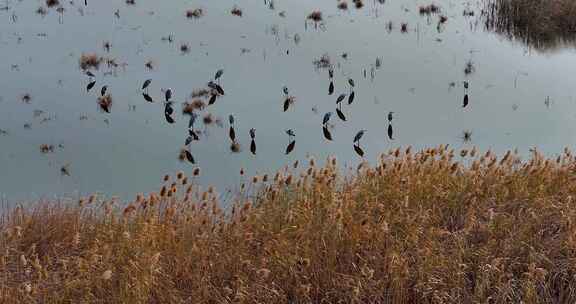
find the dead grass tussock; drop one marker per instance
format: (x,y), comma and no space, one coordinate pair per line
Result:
(431,226)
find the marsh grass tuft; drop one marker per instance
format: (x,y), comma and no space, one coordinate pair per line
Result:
(430,226)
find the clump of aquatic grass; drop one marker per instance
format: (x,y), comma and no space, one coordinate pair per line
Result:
(236,11)
(428,9)
(149,65)
(542,24)
(315,16)
(431,226)
(194,13)
(52,3)
(358,4)
(324,62)
(41,11)
(90,61)
(184,48)
(404,27)
(469,68)
(105,103)
(192,106)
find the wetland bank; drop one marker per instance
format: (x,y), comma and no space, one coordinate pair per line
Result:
(275,115)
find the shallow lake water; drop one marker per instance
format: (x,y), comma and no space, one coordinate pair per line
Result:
(518,97)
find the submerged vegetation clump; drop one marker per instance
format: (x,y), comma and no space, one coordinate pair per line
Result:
(315,16)
(542,24)
(428,9)
(324,62)
(194,13)
(236,11)
(90,61)
(418,227)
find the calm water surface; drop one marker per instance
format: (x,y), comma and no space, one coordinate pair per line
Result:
(519,98)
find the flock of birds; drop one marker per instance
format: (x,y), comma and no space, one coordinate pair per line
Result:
(217,91)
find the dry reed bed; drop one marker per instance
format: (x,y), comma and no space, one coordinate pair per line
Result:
(543,24)
(419,227)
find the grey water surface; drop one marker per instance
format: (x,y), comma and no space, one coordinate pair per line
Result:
(518,97)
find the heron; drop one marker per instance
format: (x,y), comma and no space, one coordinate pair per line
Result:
(359,135)
(216,87)
(168,94)
(340,98)
(253,141)
(331,88)
(90,86)
(390,131)
(146,84)
(326,118)
(219,74)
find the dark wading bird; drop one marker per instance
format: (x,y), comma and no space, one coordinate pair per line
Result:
(103,90)
(326,118)
(193,134)
(231,131)
(217,87)
(351,82)
(331,88)
(351,97)
(287,102)
(253,141)
(465,102)
(340,98)
(358,136)
(189,156)
(390,131)
(212,99)
(168,94)
(219,74)
(146,84)
(188,140)
(292,143)
(90,86)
